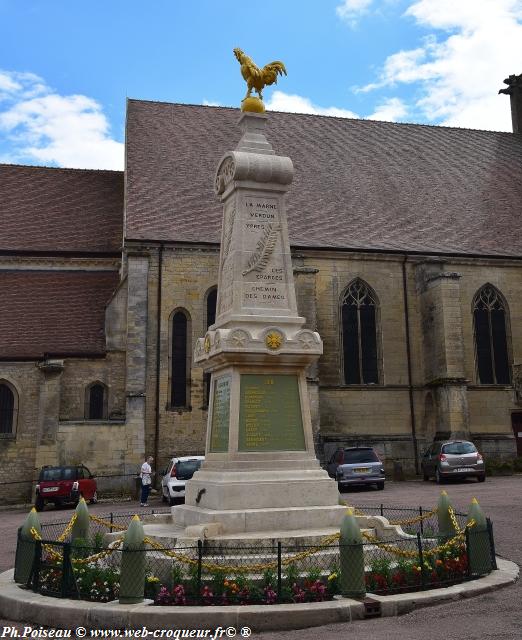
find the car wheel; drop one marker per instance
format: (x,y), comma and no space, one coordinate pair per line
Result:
(39,504)
(164,497)
(481,478)
(172,501)
(94,498)
(340,487)
(380,485)
(438,478)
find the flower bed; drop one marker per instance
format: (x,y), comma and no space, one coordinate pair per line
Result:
(209,574)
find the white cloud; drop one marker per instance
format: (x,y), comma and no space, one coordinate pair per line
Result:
(459,73)
(281,101)
(211,103)
(351,10)
(45,127)
(390,110)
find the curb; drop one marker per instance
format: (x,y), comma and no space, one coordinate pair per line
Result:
(26,606)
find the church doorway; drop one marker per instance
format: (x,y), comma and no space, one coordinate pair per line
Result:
(516,422)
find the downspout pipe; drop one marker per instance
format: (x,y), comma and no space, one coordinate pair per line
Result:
(158,354)
(408,357)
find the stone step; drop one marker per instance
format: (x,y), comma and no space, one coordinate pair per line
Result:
(170,535)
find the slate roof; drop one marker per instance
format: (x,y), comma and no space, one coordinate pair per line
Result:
(358,184)
(54,312)
(55,210)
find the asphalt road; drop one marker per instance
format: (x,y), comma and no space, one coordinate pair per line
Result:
(495,615)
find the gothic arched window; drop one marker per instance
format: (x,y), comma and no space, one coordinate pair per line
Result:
(491,347)
(211,318)
(211,306)
(359,334)
(96,401)
(180,367)
(7,410)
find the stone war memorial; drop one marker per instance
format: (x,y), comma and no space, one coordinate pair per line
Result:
(262,522)
(260,471)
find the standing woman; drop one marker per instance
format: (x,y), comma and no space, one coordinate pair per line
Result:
(146,480)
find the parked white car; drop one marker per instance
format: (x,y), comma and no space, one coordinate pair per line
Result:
(177,473)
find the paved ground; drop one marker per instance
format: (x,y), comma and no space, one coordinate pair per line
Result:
(488,617)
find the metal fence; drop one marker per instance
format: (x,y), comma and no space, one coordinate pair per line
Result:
(118,522)
(234,573)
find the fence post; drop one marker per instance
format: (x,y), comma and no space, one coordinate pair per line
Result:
(446,528)
(133,558)
(279,570)
(479,549)
(351,553)
(112,522)
(35,572)
(80,527)
(421,521)
(200,558)
(382,509)
(66,569)
(492,543)
(421,561)
(25,548)
(466,536)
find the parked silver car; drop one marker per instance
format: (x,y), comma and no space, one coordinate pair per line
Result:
(356,466)
(453,459)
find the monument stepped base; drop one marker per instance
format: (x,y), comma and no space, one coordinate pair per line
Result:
(286,519)
(169,535)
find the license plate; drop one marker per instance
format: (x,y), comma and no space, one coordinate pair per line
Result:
(362,470)
(49,489)
(463,469)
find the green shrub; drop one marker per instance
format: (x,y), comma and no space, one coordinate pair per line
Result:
(496,467)
(517,464)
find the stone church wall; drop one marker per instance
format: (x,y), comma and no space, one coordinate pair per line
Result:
(18,453)
(187,275)
(78,374)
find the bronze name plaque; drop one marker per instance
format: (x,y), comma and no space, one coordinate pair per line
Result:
(270,414)
(220,415)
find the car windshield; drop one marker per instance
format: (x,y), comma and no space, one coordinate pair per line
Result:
(355,456)
(53,474)
(459,448)
(186,469)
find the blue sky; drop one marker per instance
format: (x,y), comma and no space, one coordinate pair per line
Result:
(66,67)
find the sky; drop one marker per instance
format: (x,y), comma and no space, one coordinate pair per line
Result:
(67,68)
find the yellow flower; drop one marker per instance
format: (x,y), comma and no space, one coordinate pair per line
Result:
(417,569)
(332,576)
(152,579)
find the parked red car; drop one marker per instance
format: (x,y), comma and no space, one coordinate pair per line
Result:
(62,485)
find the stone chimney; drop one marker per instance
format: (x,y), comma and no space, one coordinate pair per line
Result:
(514,91)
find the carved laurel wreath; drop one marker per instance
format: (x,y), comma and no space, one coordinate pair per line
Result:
(264,248)
(227,236)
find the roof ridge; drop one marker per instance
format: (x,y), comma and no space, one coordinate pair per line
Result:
(330,117)
(41,166)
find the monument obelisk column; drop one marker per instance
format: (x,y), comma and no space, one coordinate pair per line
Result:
(260,471)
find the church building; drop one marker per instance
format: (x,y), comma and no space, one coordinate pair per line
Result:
(407,257)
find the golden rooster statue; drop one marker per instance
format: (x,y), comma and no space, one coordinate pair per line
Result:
(257,78)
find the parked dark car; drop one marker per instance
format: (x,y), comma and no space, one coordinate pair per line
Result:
(356,466)
(65,485)
(453,459)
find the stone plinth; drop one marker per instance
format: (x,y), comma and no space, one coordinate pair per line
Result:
(260,472)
